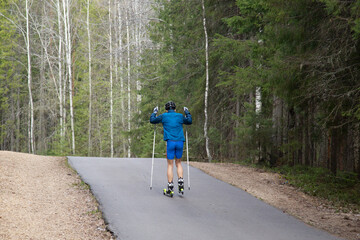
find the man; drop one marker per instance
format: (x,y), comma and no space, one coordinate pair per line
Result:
(174,137)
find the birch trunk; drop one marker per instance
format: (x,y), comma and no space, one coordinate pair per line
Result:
(128,76)
(111,85)
(116,63)
(41,129)
(60,74)
(138,86)
(258,104)
(90,78)
(138,53)
(122,92)
(206,84)
(31,104)
(276,125)
(69,70)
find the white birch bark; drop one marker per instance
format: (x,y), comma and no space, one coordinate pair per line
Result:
(111,84)
(138,50)
(31,103)
(122,91)
(258,102)
(60,72)
(116,60)
(206,84)
(67,34)
(90,77)
(64,94)
(128,78)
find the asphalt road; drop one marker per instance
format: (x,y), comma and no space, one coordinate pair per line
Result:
(211,210)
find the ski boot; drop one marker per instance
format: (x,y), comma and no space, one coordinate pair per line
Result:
(181,185)
(170,190)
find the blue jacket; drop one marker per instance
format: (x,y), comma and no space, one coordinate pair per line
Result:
(172,123)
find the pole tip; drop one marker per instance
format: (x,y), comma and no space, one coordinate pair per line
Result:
(150,188)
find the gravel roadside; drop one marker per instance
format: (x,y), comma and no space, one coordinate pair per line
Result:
(42,198)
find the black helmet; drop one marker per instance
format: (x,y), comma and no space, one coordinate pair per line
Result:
(170,106)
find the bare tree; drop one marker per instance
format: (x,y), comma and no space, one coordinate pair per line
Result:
(90,77)
(68,47)
(122,93)
(129,79)
(111,84)
(206,84)
(60,80)
(31,103)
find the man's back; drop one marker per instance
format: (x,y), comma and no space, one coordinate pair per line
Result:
(172,123)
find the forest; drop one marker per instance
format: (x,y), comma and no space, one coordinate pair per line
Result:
(266,81)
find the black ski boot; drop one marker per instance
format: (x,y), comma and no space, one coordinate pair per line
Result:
(170,190)
(181,185)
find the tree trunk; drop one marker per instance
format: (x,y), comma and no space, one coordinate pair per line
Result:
(335,148)
(258,103)
(276,125)
(90,77)
(18,122)
(206,84)
(357,149)
(13,116)
(111,85)
(122,92)
(67,25)
(42,135)
(128,76)
(237,125)
(60,81)
(31,104)
(307,140)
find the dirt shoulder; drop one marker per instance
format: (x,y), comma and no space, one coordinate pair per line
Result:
(42,198)
(272,189)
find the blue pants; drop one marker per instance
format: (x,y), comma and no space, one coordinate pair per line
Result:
(174,149)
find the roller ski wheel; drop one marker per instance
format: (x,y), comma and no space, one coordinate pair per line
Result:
(168,193)
(181,186)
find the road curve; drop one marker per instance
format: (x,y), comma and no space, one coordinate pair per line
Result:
(211,210)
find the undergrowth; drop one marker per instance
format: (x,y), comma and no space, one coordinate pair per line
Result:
(343,190)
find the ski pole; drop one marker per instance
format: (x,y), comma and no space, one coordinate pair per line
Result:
(152,160)
(187,156)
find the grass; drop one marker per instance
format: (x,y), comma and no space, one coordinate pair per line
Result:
(343,190)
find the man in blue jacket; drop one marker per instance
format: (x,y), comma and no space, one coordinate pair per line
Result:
(174,137)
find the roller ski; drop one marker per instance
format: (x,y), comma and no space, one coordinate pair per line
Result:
(170,190)
(181,186)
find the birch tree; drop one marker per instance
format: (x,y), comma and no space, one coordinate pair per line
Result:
(120,57)
(60,80)
(206,84)
(68,48)
(111,84)
(128,79)
(90,77)
(31,103)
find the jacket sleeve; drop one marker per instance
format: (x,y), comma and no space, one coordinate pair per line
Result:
(154,119)
(187,119)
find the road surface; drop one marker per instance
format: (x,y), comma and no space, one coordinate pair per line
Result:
(211,210)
